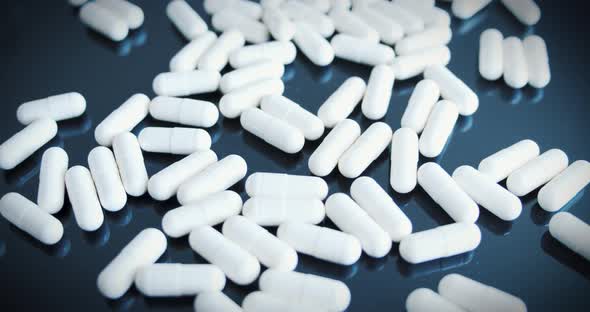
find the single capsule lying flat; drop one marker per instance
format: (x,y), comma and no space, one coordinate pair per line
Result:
(514,63)
(178,141)
(423,98)
(315,47)
(342,102)
(526,11)
(268,211)
(175,279)
(438,129)
(186,20)
(365,150)
(84,199)
(453,89)
(325,158)
(425,300)
(535,51)
(107,180)
(346,22)
(572,232)
(131,164)
(217,56)
(491,54)
(233,104)
(272,130)
(404,160)
(501,164)
(248,8)
(260,301)
(56,107)
(230,18)
(125,10)
(411,65)
(283,108)
(378,93)
(187,58)
(362,51)
(537,172)
(195,113)
(246,75)
(104,21)
(561,189)
(465,9)
(300,12)
(122,119)
(408,20)
(52,175)
(279,25)
(431,37)
(26,142)
(279,51)
(186,83)
(278,185)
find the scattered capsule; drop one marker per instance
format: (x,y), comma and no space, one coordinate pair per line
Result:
(526,11)
(231,18)
(453,89)
(125,10)
(26,142)
(248,8)
(269,211)
(57,107)
(408,20)
(186,20)
(104,21)
(272,130)
(426,300)
(107,180)
(279,25)
(501,164)
(84,199)
(515,64)
(284,109)
(404,160)
(342,102)
(188,112)
(535,51)
(378,92)
(346,22)
(217,56)
(188,57)
(178,141)
(491,55)
(259,301)
(572,232)
(361,51)
(431,37)
(122,119)
(52,175)
(561,189)
(233,104)
(315,47)
(389,31)
(465,9)
(186,83)
(365,150)
(423,98)
(438,129)
(303,13)
(246,75)
(278,185)
(411,65)
(537,172)
(131,164)
(325,158)
(213,301)
(175,279)
(279,51)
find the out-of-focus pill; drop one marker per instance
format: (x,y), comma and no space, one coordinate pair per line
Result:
(188,57)
(572,232)
(27,216)
(217,56)
(340,4)
(361,51)
(284,109)
(131,165)
(215,178)
(465,9)
(561,189)
(278,185)
(211,210)
(26,142)
(145,249)
(426,300)
(188,112)
(57,107)
(408,20)
(378,93)
(537,172)
(213,301)
(272,130)
(501,164)
(440,242)
(186,20)
(315,47)
(268,211)
(238,264)
(52,175)
(430,15)
(514,63)
(491,55)
(122,119)
(230,18)
(164,184)
(248,8)
(365,150)
(526,11)
(270,4)
(404,160)
(279,51)
(475,296)
(325,158)
(447,193)
(260,301)
(186,83)
(418,3)
(453,89)
(411,65)
(233,104)
(107,180)
(104,21)
(179,141)
(349,23)
(84,200)
(422,100)
(438,129)
(389,30)
(175,279)
(279,25)
(439,17)
(431,37)
(342,102)
(321,242)
(125,10)
(535,51)
(301,12)
(487,193)
(244,76)
(321,5)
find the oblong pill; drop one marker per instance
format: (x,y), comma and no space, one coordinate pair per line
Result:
(212,301)
(361,51)
(125,10)
(217,56)
(131,164)
(107,180)
(465,9)
(366,149)
(188,112)
(342,102)
(186,20)
(57,107)
(501,164)
(187,58)
(300,12)
(537,172)
(103,21)
(248,8)
(26,142)
(84,200)
(411,65)
(389,30)
(186,83)
(279,51)
(572,232)
(284,109)
(408,20)
(431,37)
(178,141)
(325,158)
(438,129)
(279,25)
(122,119)
(278,185)
(423,98)
(349,23)
(233,104)
(426,300)
(260,301)
(268,211)
(491,54)
(272,130)
(378,93)
(230,18)
(175,279)
(535,51)
(52,185)
(515,64)
(315,47)
(526,11)
(453,89)
(561,189)
(404,160)
(246,75)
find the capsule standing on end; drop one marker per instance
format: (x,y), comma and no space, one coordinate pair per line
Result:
(56,107)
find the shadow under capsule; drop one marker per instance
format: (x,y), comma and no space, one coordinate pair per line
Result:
(98,238)
(30,167)
(466,26)
(75,126)
(492,223)
(125,302)
(2,248)
(407,269)
(430,207)
(267,151)
(119,218)
(135,38)
(59,250)
(565,256)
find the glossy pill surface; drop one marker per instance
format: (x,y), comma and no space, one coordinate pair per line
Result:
(178,141)
(84,199)
(26,142)
(52,187)
(57,107)
(122,119)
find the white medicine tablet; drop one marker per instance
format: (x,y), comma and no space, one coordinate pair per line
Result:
(178,141)
(342,102)
(453,89)
(84,200)
(213,301)
(187,58)
(145,249)
(440,242)
(217,56)
(186,20)
(131,164)
(279,25)
(572,232)
(248,8)
(188,112)
(104,21)
(404,160)
(515,64)
(122,119)
(52,175)
(411,65)
(268,211)
(465,9)
(278,185)
(537,172)
(284,109)
(243,76)
(27,216)
(315,47)
(526,11)
(362,51)
(408,20)
(26,142)
(175,279)
(325,158)
(535,51)
(279,51)
(107,180)
(491,54)
(447,193)
(365,150)
(125,10)
(239,265)
(272,130)
(475,296)
(260,301)
(378,93)
(351,24)
(389,30)
(561,189)
(423,98)
(230,18)
(501,164)
(57,107)
(233,104)
(300,12)
(439,128)
(426,300)
(431,37)
(186,83)
(321,5)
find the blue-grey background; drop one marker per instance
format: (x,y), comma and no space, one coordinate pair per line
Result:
(47,51)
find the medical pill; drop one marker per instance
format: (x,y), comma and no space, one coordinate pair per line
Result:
(423,98)
(447,193)
(118,276)
(279,51)
(342,102)
(349,23)
(325,158)
(104,21)
(279,25)
(175,279)
(438,129)
(491,54)
(366,149)
(26,142)
(107,180)
(404,160)
(501,164)
(52,175)
(438,16)
(453,89)
(84,199)
(378,92)
(57,107)
(244,76)
(389,30)
(186,20)
(361,51)
(475,296)
(269,211)
(535,51)
(231,18)
(426,300)
(411,65)
(515,64)
(572,232)
(465,9)
(260,301)
(537,172)
(125,10)
(272,130)
(122,119)
(321,5)
(186,83)
(216,177)
(561,189)
(238,264)
(408,20)
(25,215)
(321,242)
(213,301)
(188,57)
(188,112)
(279,185)
(526,11)
(284,109)
(315,47)
(178,141)
(248,8)
(431,37)
(217,56)
(440,242)
(131,164)
(340,4)
(303,13)
(233,104)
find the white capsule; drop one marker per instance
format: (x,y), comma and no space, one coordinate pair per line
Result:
(272,130)
(279,25)
(389,30)
(366,149)
(269,211)
(537,172)
(211,210)
(349,23)
(213,301)
(175,279)
(145,249)
(439,17)
(404,160)
(361,51)
(408,20)
(342,102)
(423,98)
(186,83)
(277,185)
(514,63)
(260,301)
(188,112)
(279,51)
(431,37)
(340,4)
(83,197)
(54,165)
(26,142)
(230,18)
(238,264)
(440,242)
(438,129)
(214,178)
(313,290)
(453,89)
(475,296)
(411,65)
(301,12)
(107,180)
(526,11)
(465,9)
(178,141)
(487,193)
(188,57)
(233,104)
(270,4)
(501,164)
(125,10)
(535,51)
(491,55)
(186,20)
(447,193)
(131,165)
(426,300)
(248,8)
(57,107)
(164,184)
(27,216)
(561,189)
(284,109)
(572,232)
(122,119)
(378,92)
(217,56)
(244,76)
(315,47)
(430,15)
(321,5)
(325,158)
(104,21)
(321,242)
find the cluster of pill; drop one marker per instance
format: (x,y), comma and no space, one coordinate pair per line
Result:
(526,11)
(111,18)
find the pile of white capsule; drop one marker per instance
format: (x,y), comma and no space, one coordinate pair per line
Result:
(367,220)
